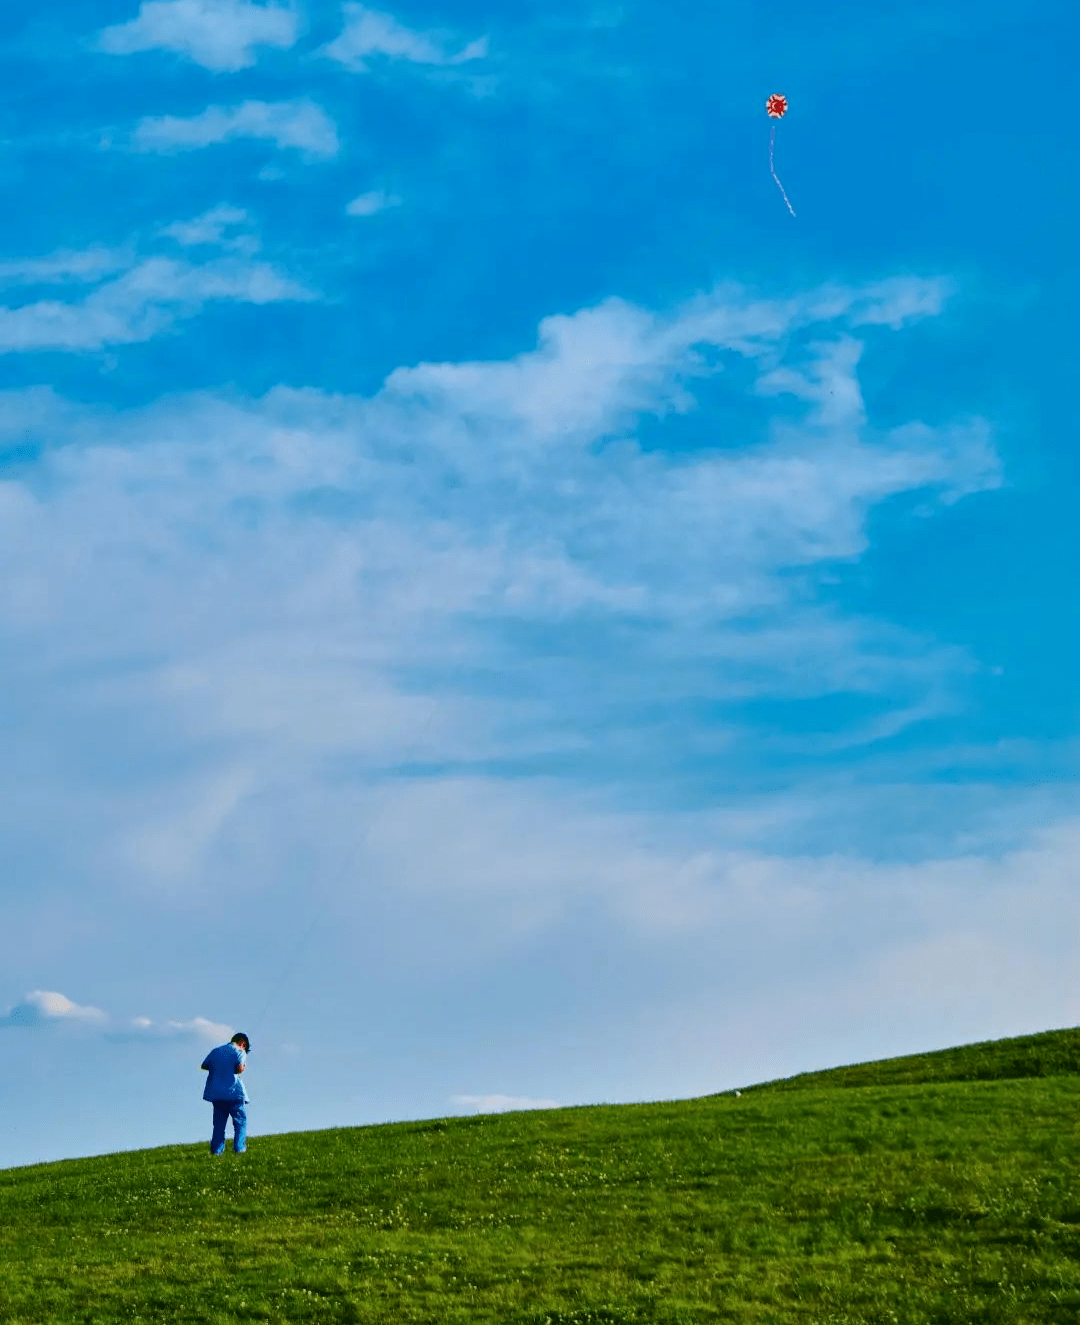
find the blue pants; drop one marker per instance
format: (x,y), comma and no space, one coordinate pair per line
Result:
(223,1111)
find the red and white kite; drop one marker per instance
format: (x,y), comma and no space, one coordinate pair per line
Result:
(776,106)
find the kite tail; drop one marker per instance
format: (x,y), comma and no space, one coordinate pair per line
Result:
(772,140)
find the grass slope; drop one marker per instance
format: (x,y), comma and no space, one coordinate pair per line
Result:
(1048,1054)
(947,1201)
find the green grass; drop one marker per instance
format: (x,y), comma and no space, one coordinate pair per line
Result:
(1049,1054)
(943,1189)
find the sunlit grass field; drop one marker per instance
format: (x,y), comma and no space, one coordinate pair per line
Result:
(941,1188)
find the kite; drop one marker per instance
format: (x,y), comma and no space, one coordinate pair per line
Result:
(777,109)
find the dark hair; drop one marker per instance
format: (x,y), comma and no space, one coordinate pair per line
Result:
(241,1036)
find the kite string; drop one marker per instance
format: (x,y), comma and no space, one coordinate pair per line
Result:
(337,878)
(349,865)
(772,140)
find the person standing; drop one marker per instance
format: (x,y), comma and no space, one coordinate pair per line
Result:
(226,1092)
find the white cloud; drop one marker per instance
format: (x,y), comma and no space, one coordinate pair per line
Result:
(595,370)
(340,574)
(501,1103)
(42,1007)
(143,301)
(844,960)
(199,1028)
(544,508)
(370,32)
(258,611)
(210,228)
(783,961)
(300,124)
(67,266)
(220,35)
(169,849)
(196,1028)
(367,204)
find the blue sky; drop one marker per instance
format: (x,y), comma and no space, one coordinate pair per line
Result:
(494,606)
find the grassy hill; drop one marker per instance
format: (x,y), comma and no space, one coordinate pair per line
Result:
(935,1190)
(1048,1054)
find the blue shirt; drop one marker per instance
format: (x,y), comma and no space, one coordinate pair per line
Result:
(224,1081)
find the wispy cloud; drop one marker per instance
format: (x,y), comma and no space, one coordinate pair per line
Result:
(286,587)
(46,1008)
(597,368)
(144,300)
(195,1028)
(371,32)
(220,35)
(300,124)
(546,509)
(69,266)
(171,848)
(368,204)
(501,1103)
(210,229)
